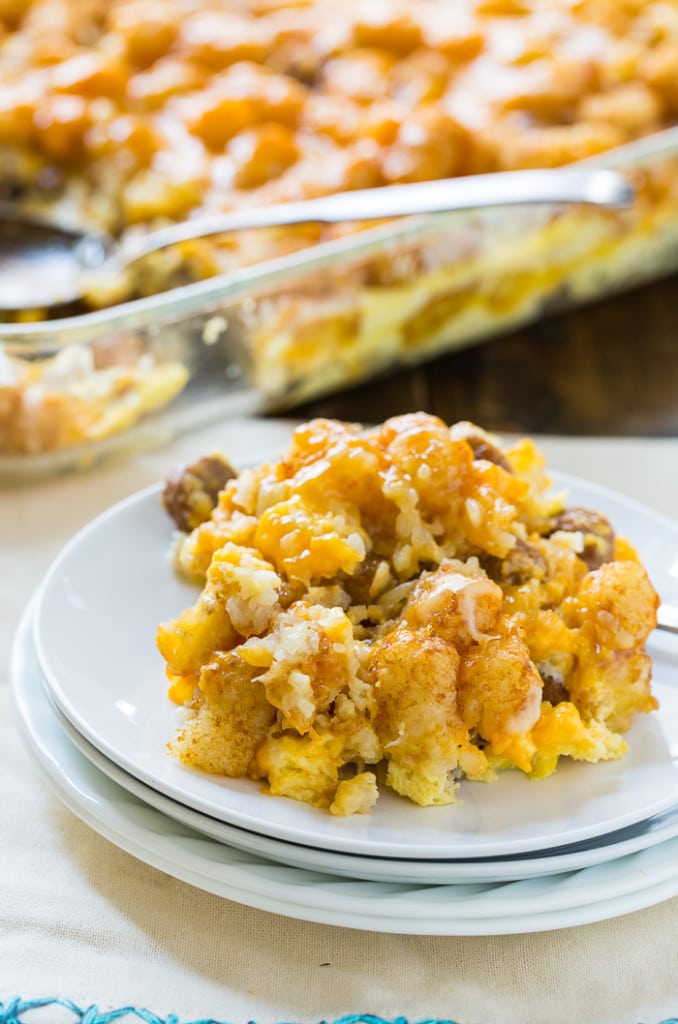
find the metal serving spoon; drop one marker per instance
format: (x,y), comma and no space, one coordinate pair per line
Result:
(43,265)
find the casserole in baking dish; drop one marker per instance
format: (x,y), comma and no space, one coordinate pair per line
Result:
(123,115)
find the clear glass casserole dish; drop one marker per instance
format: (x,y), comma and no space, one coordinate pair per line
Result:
(270,335)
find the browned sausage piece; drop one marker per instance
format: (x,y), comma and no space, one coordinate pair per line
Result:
(191,492)
(481,443)
(523,562)
(597,531)
(555,690)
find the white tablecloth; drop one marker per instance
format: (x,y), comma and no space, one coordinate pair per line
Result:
(81,920)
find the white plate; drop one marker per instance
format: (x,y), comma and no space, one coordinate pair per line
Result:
(95,626)
(558,901)
(640,836)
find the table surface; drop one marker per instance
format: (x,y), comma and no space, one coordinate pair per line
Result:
(610,368)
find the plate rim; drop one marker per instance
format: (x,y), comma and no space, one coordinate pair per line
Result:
(283,833)
(560,863)
(213,876)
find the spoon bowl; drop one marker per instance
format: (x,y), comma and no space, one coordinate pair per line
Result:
(43,265)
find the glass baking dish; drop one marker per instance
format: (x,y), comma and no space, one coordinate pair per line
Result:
(268,336)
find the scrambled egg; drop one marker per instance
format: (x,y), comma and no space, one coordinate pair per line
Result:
(405,606)
(79,396)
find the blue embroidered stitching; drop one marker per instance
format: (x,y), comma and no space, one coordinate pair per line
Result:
(13,1012)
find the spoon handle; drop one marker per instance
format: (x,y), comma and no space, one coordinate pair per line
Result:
(598,187)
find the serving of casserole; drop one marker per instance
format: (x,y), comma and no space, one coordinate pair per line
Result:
(406,606)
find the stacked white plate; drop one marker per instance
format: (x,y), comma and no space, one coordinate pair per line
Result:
(589,843)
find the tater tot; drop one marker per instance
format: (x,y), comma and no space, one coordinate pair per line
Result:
(500,696)
(418,721)
(461,608)
(618,604)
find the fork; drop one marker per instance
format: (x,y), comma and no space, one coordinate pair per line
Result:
(667,618)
